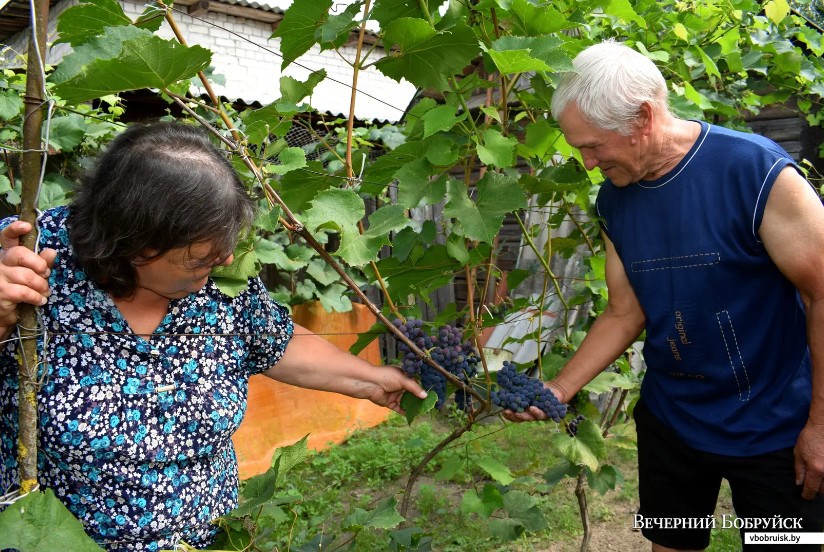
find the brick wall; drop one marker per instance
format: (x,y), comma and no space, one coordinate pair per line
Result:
(252,73)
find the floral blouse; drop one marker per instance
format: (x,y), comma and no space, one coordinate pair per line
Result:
(136,433)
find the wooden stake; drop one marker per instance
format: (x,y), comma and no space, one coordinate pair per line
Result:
(27,315)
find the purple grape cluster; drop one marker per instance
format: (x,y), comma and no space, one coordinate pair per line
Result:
(572,426)
(413,330)
(448,349)
(518,392)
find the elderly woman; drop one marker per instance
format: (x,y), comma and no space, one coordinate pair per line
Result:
(146,361)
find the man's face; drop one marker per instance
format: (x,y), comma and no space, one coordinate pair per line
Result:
(617,156)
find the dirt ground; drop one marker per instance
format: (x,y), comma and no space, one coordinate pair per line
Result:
(616,534)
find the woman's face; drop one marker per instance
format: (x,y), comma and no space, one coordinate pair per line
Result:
(178,272)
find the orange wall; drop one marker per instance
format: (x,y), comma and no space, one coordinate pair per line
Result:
(278,414)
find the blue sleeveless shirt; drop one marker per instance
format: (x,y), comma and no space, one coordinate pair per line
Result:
(728,365)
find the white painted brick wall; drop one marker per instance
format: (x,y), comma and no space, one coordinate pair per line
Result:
(253,74)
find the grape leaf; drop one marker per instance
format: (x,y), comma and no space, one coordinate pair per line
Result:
(66,132)
(298,188)
(516,61)
(411,538)
(152,18)
(5,184)
(386,11)
(38,522)
(233,279)
(383,170)
(484,504)
(337,209)
(606,381)
(523,507)
(516,54)
(367,337)
(335,31)
(415,184)
(322,272)
(506,529)
(450,468)
(534,20)
(384,516)
(290,159)
(286,458)
(623,10)
(497,150)
(440,119)
(605,479)
(443,150)
(426,57)
(496,469)
(334,299)
(79,23)
(414,406)
(293,90)
(433,269)
(125,58)
(498,194)
(586,448)
(264,122)
(559,471)
(777,10)
(358,249)
(298,27)
(10,104)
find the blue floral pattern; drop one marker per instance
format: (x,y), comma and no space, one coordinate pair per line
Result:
(136,433)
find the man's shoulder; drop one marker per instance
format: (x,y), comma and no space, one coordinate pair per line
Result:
(740,139)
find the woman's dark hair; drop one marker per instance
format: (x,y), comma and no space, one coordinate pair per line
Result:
(156,188)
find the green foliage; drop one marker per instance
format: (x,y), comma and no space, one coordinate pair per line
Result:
(265,498)
(299,27)
(414,406)
(125,58)
(485,149)
(39,521)
(426,57)
(74,134)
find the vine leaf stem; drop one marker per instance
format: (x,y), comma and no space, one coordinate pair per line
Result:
(350,131)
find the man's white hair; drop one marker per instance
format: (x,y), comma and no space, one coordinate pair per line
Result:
(609,84)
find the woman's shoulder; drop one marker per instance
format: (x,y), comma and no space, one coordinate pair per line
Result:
(254,303)
(53,230)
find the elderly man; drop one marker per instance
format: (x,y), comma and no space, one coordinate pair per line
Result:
(714,246)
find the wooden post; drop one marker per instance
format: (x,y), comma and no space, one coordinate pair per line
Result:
(27,315)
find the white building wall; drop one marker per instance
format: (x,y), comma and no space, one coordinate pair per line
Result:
(252,73)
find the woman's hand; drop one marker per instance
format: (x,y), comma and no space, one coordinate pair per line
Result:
(314,363)
(389,386)
(23,274)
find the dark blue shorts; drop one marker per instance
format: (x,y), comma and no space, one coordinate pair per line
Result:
(681,483)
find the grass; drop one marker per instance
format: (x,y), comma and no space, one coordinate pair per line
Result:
(375,464)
